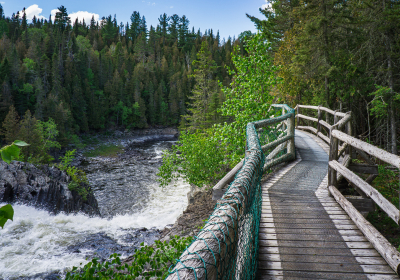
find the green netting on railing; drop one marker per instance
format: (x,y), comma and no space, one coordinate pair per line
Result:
(227,246)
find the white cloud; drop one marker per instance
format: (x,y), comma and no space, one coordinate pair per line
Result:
(80,15)
(171,7)
(83,15)
(267,5)
(32,11)
(2,3)
(53,14)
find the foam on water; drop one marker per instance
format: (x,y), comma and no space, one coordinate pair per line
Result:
(36,242)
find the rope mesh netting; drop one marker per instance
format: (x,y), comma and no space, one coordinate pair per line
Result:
(227,246)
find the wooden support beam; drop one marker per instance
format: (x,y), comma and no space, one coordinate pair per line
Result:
(220,187)
(364,168)
(379,199)
(307,118)
(388,252)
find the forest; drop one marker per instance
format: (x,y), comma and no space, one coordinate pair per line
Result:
(103,75)
(343,55)
(89,77)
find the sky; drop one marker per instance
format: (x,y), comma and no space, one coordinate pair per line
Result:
(229,17)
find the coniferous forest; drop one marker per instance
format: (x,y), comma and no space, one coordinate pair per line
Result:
(100,75)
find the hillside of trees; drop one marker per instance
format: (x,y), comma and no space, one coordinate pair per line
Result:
(340,54)
(100,75)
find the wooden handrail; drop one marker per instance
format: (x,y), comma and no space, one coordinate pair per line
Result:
(368,148)
(388,252)
(287,120)
(340,114)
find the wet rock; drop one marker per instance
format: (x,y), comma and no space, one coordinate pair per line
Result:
(193,218)
(101,246)
(44,187)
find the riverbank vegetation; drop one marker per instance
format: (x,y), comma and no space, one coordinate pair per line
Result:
(102,75)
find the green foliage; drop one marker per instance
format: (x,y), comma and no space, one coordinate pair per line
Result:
(78,177)
(382,97)
(198,157)
(104,77)
(387,183)
(6,213)
(206,155)
(10,152)
(149,262)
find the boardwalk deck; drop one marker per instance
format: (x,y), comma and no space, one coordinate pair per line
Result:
(304,233)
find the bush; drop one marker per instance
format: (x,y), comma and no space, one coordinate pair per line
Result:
(148,262)
(78,177)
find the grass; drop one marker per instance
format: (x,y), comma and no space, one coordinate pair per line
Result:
(104,150)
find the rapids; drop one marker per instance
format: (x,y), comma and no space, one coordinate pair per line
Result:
(37,245)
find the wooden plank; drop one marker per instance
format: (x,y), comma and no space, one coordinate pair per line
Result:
(311,237)
(364,168)
(379,199)
(315,244)
(320,251)
(321,259)
(349,232)
(368,148)
(325,267)
(296,275)
(388,252)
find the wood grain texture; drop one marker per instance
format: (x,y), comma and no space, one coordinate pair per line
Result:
(368,148)
(379,199)
(388,252)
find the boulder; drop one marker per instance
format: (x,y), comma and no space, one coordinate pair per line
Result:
(45,187)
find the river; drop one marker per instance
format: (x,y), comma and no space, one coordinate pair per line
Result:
(38,245)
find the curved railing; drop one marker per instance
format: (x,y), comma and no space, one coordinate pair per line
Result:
(343,147)
(227,246)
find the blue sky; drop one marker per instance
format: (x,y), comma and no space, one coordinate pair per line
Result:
(229,17)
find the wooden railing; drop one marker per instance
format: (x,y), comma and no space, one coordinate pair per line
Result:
(340,166)
(285,124)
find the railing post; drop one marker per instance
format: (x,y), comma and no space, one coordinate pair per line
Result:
(349,132)
(319,119)
(333,154)
(290,131)
(283,124)
(298,112)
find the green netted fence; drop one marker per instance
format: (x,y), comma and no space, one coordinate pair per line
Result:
(227,246)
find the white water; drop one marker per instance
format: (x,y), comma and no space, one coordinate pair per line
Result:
(35,242)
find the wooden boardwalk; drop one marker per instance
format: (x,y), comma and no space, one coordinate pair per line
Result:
(304,233)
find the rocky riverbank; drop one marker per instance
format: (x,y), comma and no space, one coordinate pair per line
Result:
(193,218)
(44,187)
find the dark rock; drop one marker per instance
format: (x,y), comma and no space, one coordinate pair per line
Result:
(101,245)
(44,187)
(193,218)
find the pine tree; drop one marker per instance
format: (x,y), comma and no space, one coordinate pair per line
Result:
(10,126)
(201,114)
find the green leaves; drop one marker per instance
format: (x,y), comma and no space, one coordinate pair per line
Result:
(10,152)
(20,143)
(148,262)
(204,156)
(6,213)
